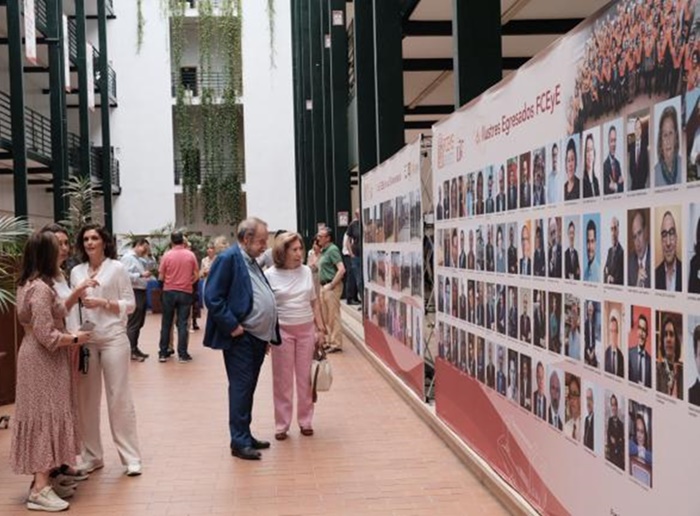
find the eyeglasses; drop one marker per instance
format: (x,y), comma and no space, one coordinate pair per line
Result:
(668,234)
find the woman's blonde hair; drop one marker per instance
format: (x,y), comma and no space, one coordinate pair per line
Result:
(282,244)
(219,244)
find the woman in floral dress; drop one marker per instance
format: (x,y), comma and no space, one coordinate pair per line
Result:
(44,434)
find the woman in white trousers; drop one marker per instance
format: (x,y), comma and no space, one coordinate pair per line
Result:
(107,306)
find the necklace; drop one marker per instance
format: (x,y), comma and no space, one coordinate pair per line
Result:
(94,271)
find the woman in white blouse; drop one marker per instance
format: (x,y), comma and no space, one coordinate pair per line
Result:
(107,306)
(302,330)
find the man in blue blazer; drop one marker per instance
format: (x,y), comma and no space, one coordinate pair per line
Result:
(241,321)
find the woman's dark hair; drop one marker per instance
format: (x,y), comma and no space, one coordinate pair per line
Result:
(40,258)
(571,146)
(639,417)
(110,248)
(667,319)
(55,228)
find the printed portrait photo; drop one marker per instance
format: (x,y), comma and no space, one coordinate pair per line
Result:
(669,160)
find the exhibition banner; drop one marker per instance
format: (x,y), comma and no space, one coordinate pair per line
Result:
(392,254)
(568,267)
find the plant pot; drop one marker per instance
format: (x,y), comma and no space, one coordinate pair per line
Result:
(12,334)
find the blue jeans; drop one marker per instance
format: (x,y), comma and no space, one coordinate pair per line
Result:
(243,361)
(175,302)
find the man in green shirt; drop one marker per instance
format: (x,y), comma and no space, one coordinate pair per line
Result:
(330,274)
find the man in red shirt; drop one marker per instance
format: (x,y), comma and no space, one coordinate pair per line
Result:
(178,271)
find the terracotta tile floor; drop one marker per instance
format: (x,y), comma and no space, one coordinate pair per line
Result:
(371,454)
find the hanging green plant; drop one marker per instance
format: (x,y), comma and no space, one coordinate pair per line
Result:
(140,22)
(271,27)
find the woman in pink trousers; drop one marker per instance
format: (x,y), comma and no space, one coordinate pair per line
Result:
(302,330)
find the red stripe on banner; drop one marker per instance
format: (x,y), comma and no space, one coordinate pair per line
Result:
(463,403)
(398,357)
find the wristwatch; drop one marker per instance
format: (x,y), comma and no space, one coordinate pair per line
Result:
(75,339)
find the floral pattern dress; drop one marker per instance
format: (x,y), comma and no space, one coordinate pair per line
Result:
(44,429)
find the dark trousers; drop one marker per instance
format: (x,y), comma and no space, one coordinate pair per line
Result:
(243,362)
(356,273)
(349,286)
(136,319)
(179,303)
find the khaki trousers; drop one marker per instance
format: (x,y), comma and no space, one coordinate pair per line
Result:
(330,310)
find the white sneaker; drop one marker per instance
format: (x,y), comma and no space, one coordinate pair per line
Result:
(89,467)
(64,491)
(133,470)
(46,500)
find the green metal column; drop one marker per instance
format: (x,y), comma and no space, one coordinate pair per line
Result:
(298,126)
(315,43)
(19,140)
(339,104)
(104,110)
(307,171)
(57,99)
(364,85)
(388,34)
(83,110)
(476,36)
(327,114)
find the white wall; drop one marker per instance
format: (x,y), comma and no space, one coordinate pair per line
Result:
(142,124)
(269,116)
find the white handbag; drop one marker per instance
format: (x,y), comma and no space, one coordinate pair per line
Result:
(321,373)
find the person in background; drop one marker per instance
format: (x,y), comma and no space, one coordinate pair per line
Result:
(241,322)
(349,284)
(214,248)
(331,272)
(355,234)
(669,369)
(106,305)
(44,425)
(694,277)
(640,447)
(265,260)
(65,478)
(134,261)
(615,447)
(302,331)
(312,258)
(178,271)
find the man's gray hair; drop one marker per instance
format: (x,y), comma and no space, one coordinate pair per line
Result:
(248,227)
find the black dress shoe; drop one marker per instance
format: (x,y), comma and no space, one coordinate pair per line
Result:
(260,445)
(247,453)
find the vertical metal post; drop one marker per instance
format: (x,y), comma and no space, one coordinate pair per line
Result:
(388,61)
(104,111)
(57,99)
(83,110)
(339,104)
(19,139)
(476,36)
(364,85)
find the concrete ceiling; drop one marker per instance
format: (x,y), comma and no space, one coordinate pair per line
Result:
(440,47)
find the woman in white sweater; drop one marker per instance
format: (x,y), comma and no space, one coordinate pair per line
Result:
(107,306)
(302,330)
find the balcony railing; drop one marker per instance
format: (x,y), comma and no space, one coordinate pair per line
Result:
(41,16)
(74,151)
(225,166)
(37,128)
(96,169)
(215,82)
(72,40)
(112,76)
(351,61)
